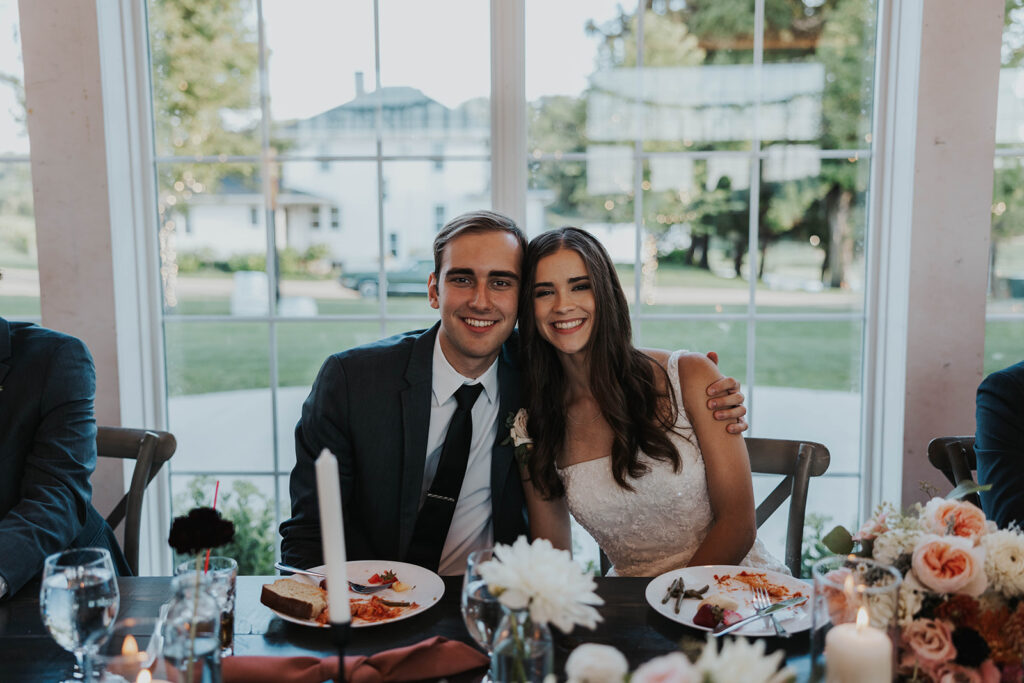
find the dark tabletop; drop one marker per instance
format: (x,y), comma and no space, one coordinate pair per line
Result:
(28,653)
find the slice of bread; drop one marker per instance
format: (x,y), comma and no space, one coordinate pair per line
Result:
(294,598)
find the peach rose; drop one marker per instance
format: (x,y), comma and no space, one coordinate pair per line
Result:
(950,564)
(873,527)
(929,642)
(840,609)
(954,518)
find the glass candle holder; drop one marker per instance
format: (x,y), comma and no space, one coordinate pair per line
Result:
(222,572)
(134,645)
(853,619)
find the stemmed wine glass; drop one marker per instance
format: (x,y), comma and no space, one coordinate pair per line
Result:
(480,609)
(79,601)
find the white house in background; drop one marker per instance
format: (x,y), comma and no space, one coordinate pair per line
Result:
(444,166)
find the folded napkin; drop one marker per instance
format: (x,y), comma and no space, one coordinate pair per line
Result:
(431,658)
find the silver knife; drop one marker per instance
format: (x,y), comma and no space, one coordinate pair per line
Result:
(774,607)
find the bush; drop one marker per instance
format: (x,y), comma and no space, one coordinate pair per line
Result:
(813,549)
(253,515)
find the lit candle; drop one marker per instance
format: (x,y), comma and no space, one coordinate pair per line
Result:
(332,535)
(857,652)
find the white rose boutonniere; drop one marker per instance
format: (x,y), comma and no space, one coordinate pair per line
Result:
(518,436)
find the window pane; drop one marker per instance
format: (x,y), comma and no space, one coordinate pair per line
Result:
(325,217)
(818,78)
(302,348)
(19,286)
(213,239)
(813,225)
(205,60)
(248,502)
(596,195)
(326,37)
(808,386)
(1006,277)
(219,407)
(728,338)
(436,83)
(697,213)
(1003,345)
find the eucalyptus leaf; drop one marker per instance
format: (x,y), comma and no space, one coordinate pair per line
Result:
(966,488)
(838,541)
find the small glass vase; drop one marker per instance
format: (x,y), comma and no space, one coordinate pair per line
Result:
(192,630)
(523,650)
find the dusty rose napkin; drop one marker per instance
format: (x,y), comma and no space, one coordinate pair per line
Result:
(431,658)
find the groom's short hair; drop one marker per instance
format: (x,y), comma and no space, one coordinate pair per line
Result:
(474,222)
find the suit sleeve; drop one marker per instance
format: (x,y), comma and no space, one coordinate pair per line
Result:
(324,424)
(55,490)
(999,446)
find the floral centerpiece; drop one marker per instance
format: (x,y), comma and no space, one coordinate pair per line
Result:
(738,660)
(959,611)
(200,530)
(536,584)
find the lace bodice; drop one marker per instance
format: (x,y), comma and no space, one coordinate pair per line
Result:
(660,524)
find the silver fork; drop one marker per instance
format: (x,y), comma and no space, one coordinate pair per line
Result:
(762,600)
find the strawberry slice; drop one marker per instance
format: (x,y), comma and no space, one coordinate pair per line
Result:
(386,577)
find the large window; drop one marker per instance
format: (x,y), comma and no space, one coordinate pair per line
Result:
(721,154)
(1004,329)
(19,288)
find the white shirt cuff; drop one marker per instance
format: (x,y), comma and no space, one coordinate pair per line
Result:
(3,587)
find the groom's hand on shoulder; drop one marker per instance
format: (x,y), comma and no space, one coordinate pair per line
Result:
(726,402)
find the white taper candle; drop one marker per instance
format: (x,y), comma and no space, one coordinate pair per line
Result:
(332,536)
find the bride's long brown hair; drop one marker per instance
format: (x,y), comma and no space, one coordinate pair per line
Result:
(622,378)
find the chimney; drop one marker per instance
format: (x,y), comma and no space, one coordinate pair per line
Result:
(359,84)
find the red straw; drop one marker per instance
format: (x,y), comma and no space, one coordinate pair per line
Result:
(216,489)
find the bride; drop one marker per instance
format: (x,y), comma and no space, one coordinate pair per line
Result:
(621,437)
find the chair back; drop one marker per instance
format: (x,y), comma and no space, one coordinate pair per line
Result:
(149,449)
(797,461)
(954,457)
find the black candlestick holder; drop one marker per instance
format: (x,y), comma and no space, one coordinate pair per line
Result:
(340,635)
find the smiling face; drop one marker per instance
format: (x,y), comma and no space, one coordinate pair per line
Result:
(563,301)
(477,292)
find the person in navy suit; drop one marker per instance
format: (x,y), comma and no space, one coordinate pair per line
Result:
(47,452)
(999,444)
(384,408)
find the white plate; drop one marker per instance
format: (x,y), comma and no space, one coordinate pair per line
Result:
(427,588)
(720,579)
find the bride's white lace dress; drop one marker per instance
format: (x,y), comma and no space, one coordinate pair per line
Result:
(660,524)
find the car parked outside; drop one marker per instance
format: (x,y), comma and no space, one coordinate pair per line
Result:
(406,278)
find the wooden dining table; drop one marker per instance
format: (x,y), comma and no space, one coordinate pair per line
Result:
(28,653)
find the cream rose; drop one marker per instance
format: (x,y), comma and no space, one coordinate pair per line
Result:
(955,518)
(929,641)
(891,544)
(1004,561)
(950,564)
(593,663)
(670,668)
(519,433)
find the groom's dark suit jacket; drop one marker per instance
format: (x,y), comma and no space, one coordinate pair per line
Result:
(999,444)
(47,451)
(371,407)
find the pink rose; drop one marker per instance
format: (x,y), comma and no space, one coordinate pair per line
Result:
(929,642)
(670,668)
(954,518)
(949,672)
(950,564)
(873,527)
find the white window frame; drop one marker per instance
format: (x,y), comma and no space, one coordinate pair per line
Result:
(910,364)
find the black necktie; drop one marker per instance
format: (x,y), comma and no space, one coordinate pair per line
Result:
(436,514)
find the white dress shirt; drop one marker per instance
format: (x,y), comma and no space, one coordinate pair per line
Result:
(471,527)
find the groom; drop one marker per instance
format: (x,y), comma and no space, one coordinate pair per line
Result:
(400,410)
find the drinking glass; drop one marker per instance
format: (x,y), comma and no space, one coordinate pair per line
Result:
(481,610)
(223,572)
(79,602)
(853,618)
(135,644)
